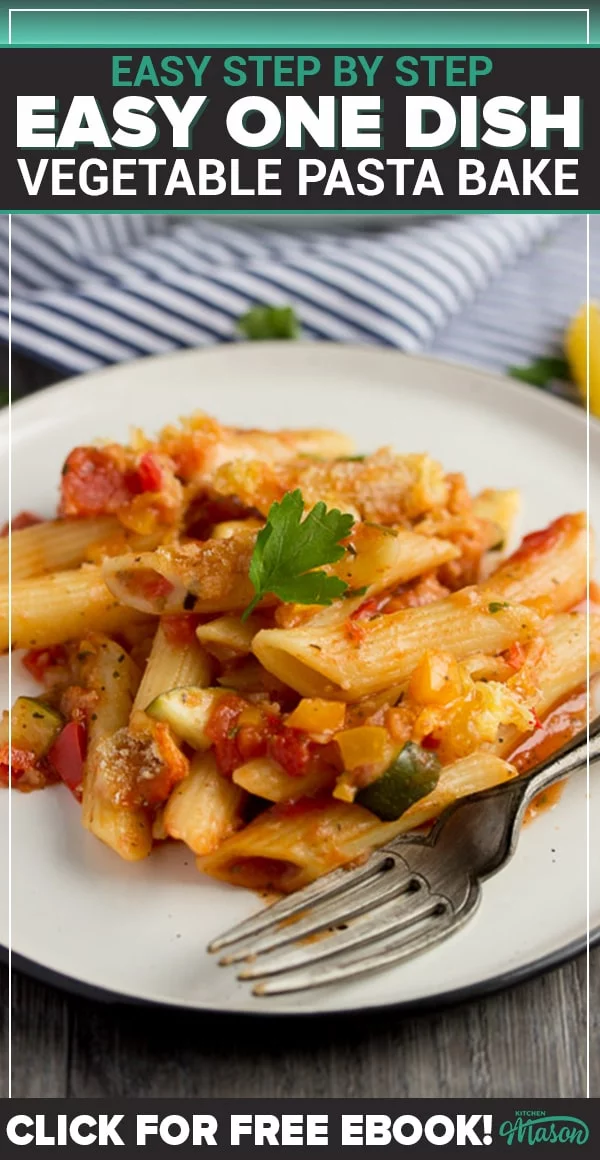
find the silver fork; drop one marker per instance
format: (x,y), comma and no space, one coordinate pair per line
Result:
(406,898)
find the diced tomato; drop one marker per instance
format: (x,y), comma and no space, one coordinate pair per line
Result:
(235,743)
(251,741)
(222,729)
(23,520)
(293,750)
(67,756)
(38,660)
(430,742)
(14,761)
(180,630)
(92,483)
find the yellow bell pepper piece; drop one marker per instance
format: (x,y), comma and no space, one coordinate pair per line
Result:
(436,679)
(576,351)
(314,715)
(365,745)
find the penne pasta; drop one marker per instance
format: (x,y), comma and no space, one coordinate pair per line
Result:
(333,664)
(229,635)
(314,636)
(205,808)
(472,774)
(176,659)
(266,779)
(383,558)
(206,577)
(109,673)
(548,570)
(53,545)
(291,845)
(555,670)
(62,606)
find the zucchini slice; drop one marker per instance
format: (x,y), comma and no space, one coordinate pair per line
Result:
(187,710)
(412,775)
(34,726)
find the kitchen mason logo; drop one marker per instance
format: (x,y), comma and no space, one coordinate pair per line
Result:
(536,1127)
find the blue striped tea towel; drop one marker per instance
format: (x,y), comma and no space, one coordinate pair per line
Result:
(92,290)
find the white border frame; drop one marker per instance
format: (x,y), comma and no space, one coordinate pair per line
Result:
(368,11)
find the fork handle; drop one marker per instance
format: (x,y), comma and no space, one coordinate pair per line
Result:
(483,829)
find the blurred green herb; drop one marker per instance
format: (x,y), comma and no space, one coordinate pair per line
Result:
(269,322)
(542,371)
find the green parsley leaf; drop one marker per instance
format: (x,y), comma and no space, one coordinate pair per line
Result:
(269,322)
(542,371)
(497,605)
(288,548)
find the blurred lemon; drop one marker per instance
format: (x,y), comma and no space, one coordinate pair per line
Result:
(576,352)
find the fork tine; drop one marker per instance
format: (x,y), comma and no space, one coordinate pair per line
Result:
(384,953)
(338,882)
(395,915)
(340,908)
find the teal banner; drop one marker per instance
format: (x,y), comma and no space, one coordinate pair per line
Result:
(333,24)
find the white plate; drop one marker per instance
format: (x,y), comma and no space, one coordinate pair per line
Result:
(140,930)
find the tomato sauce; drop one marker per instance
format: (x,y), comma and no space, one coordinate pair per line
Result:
(542,541)
(546,800)
(561,724)
(180,631)
(236,742)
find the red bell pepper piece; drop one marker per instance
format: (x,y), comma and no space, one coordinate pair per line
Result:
(67,756)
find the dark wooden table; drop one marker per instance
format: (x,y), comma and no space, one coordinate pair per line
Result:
(529,1040)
